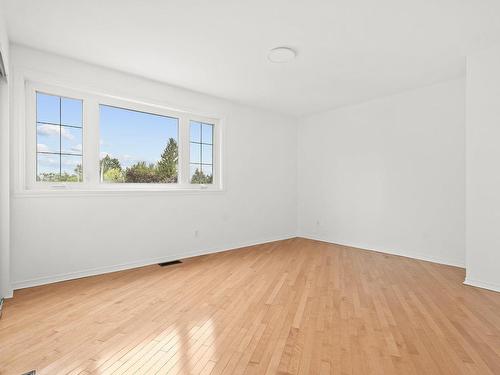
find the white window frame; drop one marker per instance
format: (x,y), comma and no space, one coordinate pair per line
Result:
(91,144)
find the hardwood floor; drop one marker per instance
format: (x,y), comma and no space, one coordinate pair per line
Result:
(290,307)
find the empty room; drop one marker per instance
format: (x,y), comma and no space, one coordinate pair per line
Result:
(250,187)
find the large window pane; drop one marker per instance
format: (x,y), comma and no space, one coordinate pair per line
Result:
(138,147)
(54,140)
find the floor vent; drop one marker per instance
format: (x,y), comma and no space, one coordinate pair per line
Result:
(32,372)
(164,264)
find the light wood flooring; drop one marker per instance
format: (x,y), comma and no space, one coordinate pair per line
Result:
(289,307)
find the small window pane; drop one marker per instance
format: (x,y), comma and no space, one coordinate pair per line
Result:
(47,138)
(195,153)
(138,147)
(206,154)
(71,112)
(48,108)
(71,168)
(48,167)
(71,140)
(195,131)
(206,136)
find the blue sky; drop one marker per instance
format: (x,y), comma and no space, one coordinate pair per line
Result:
(132,136)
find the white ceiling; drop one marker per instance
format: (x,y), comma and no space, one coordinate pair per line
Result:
(348,50)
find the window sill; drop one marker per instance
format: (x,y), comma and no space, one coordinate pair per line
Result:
(113,192)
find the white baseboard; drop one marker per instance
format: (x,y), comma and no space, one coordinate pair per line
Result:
(426,258)
(140,263)
(146,262)
(10,293)
(481,284)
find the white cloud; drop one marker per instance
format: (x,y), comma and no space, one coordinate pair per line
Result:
(126,157)
(48,130)
(103,154)
(77,148)
(70,161)
(67,135)
(53,130)
(42,147)
(122,158)
(126,160)
(48,161)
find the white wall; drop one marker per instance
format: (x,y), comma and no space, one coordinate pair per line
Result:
(55,238)
(4,169)
(388,174)
(483,169)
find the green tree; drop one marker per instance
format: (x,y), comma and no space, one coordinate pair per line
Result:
(167,165)
(108,163)
(66,177)
(79,172)
(62,177)
(48,177)
(201,178)
(142,172)
(114,175)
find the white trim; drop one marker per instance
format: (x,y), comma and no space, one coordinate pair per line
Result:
(139,263)
(482,284)
(5,210)
(123,192)
(9,293)
(426,258)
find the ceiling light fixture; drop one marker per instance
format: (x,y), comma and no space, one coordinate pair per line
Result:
(281,55)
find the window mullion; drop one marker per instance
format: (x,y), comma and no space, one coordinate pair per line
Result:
(31,138)
(184,150)
(91,141)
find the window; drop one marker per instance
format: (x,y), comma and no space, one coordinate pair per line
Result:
(137,147)
(59,129)
(201,152)
(82,141)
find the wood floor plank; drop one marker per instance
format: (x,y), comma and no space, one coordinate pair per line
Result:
(289,307)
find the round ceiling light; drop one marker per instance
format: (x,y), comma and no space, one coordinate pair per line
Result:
(281,55)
